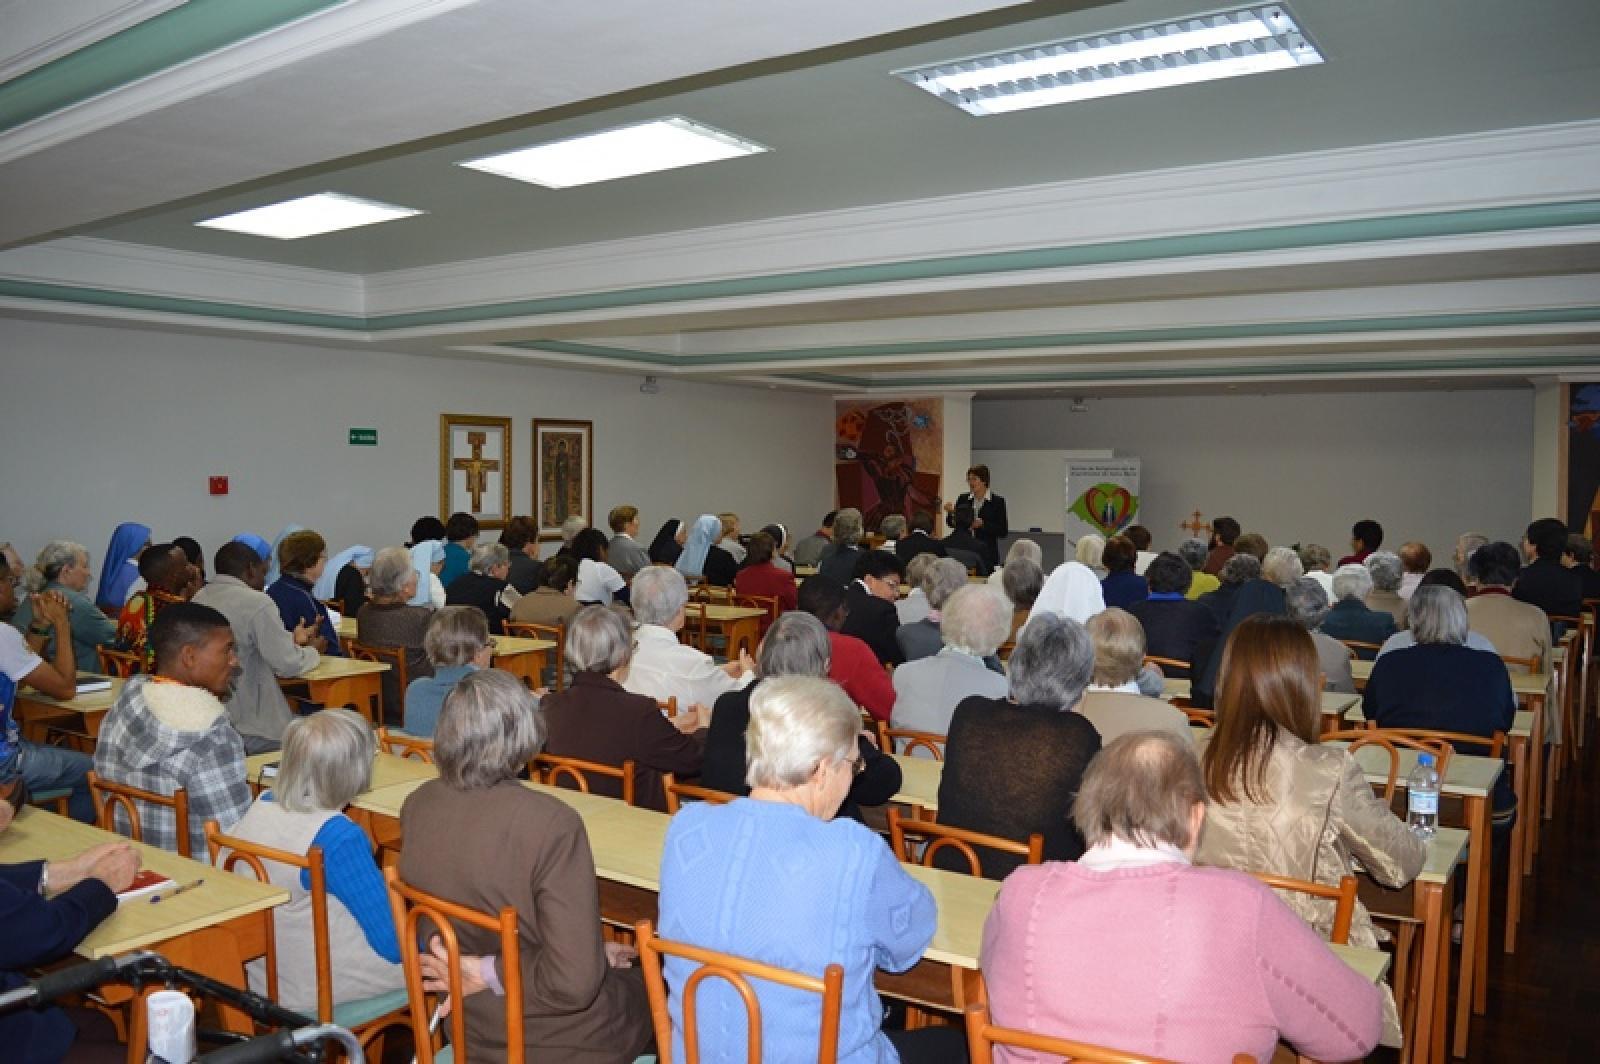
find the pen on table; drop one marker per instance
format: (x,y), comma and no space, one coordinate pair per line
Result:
(173,893)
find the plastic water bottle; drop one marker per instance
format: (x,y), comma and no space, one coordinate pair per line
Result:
(1422,798)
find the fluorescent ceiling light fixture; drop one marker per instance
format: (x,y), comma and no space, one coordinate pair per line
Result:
(1249,40)
(325,212)
(641,148)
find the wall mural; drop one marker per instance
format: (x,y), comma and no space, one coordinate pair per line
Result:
(889,457)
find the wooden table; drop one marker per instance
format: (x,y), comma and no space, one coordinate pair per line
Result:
(740,626)
(919,782)
(521,657)
(213,929)
(345,682)
(1335,704)
(387,769)
(36,710)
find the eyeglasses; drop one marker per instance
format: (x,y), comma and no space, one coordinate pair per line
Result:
(857,764)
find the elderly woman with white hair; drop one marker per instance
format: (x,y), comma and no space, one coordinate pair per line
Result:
(940,580)
(975,621)
(729,882)
(63,567)
(1022,582)
(1194,552)
(389,619)
(1013,764)
(1388,573)
(596,719)
(1350,619)
(1090,549)
(914,607)
(486,585)
(1114,704)
(1022,548)
(662,666)
(1308,606)
(457,642)
(839,558)
(326,762)
(477,836)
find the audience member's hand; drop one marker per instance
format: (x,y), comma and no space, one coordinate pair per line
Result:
(305,632)
(692,719)
(620,955)
(320,644)
(50,607)
(977,523)
(113,863)
(745,664)
(435,964)
(949,507)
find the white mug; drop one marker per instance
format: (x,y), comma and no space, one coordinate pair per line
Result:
(169,1018)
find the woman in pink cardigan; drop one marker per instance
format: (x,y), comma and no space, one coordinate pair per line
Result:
(1135,948)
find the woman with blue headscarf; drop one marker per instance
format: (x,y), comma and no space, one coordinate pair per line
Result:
(344,579)
(120,570)
(262,548)
(428,559)
(702,559)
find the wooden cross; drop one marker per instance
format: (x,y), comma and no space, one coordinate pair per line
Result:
(477,469)
(1195,524)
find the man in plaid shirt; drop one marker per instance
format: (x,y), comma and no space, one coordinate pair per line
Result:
(169,730)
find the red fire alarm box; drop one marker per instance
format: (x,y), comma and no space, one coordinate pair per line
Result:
(219,485)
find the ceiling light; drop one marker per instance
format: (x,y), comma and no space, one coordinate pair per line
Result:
(642,148)
(1249,40)
(325,212)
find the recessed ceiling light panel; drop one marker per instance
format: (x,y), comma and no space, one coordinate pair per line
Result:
(641,148)
(1249,40)
(325,212)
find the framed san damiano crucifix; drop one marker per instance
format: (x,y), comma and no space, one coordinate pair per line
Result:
(475,467)
(563,473)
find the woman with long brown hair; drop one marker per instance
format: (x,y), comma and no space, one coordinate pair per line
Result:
(1282,803)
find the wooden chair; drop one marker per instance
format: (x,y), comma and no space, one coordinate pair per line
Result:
(938,836)
(914,740)
(669,707)
(336,605)
(1343,896)
(737,972)
(760,602)
(694,626)
(677,792)
(413,910)
(411,747)
(723,596)
(1391,741)
(552,770)
(555,633)
(1168,666)
(121,663)
(1206,718)
(983,1035)
(1529,664)
(1363,651)
(367,1019)
(395,658)
(112,800)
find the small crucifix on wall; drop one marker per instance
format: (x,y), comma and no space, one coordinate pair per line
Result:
(477,468)
(1196,524)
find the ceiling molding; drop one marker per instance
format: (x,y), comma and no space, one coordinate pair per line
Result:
(118,18)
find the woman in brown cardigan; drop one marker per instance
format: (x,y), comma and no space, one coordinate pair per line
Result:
(478,837)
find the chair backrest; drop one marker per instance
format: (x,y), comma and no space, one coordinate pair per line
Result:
(694,625)
(983,1035)
(677,792)
(412,747)
(1391,741)
(890,740)
(118,801)
(1343,896)
(737,972)
(668,706)
(337,605)
(123,663)
(1168,666)
(761,602)
(395,658)
(555,633)
(712,593)
(412,907)
(1529,664)
(1206,718)
(939,836)
(1496,743)
(553,770)
(1364,651)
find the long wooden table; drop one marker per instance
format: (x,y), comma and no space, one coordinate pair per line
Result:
(739,626)
(36,711)
(1335,704)
(387,769)
(213,929)
(522,657)
(340,681)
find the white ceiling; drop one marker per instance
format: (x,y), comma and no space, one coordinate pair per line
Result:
(1426,108)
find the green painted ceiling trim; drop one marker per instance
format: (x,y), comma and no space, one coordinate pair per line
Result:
(1271,238)
(564,347)
(102,297)
(1479,320)
(192,29)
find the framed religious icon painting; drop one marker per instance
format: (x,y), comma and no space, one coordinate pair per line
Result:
(563,473)
(475,467)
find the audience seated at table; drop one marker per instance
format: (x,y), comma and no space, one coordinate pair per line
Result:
(851,663)
(1415,559)
(1307,605)
(976,620)
(1173,626)
(729,540)
(266,651)
(668,544)
(302,556)
(872,596)
(1388,573)
(1517,629)
(838,561)
(796,645)
(1439,578)
(169,730)
(1022,581)
(1281,802)
(460,537)
(1114,704)
(662,667)
(919,539)
(344,579)
(1122,587)
(762,576)
(392,617)
(120,576)
(38,767)
(920,639)
(1443,684)
(484,585)
(521,538)
(46,909)
(1365,537)
(598,583)
(596,719)
(63,568)
(743,878)
(623,552)
(427,558)
(1187,963)
(1578,555)
(1224,531)
(809,550)
(1012,765)
(327,761)
(478,837)
(1351,617)
(168,578)
(964,545)
(1545,582)
(556,599)
(702,561)
(456,642)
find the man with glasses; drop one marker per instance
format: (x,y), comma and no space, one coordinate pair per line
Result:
(871,599)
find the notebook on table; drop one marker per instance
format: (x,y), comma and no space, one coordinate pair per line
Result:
(147,882)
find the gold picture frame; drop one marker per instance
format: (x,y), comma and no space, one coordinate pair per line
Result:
(563,473)
(475,467)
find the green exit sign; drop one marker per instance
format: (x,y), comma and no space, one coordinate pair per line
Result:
(363,437)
